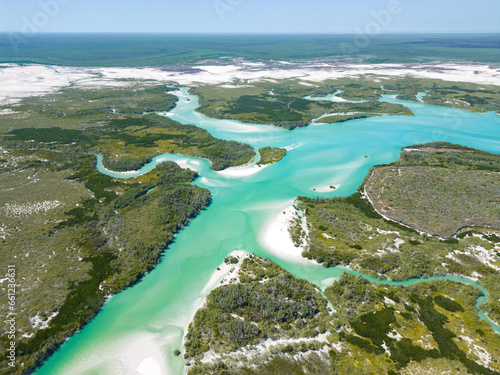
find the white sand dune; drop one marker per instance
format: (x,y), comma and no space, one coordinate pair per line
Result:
(27,80)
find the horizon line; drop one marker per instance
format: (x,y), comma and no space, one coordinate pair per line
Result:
(255,33)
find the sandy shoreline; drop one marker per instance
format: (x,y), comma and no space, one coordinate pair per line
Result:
(125,174)
(151,360)
(225,273)
(29,80)
(276,236)
(242,171)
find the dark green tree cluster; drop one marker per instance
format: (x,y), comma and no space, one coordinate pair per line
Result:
(266,297)
(269,155)
(358,300)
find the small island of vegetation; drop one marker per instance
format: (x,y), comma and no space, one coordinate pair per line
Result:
(270,155)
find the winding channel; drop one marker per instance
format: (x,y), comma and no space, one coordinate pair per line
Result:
(139,329)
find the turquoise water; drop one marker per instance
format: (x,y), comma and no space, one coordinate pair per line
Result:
(142,326)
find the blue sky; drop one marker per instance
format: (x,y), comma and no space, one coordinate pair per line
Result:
(250,16)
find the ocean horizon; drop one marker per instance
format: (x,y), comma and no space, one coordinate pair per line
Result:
(149,49)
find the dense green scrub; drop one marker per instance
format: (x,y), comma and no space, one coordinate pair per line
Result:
(80,108)
(270,155)
(131,99)
(439,190)
(349,231)
(403,329)
(283,104)
(367,329)
(71,255)
(110,122)
(470,96)
(266,303)
(74,234)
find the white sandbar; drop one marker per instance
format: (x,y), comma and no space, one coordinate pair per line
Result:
(325,188)
(276,236)
(243,171)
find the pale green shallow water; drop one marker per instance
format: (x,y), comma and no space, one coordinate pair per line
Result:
(147,321)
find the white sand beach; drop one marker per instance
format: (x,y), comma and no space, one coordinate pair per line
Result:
(186,163)
(243,171)
(149,367)
(276,237)
(225,273)
(123,174)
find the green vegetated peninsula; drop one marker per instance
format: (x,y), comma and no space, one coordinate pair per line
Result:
(265,321)
(288,103)
(283,104)
(343,118)
(76,235)
(439,188)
